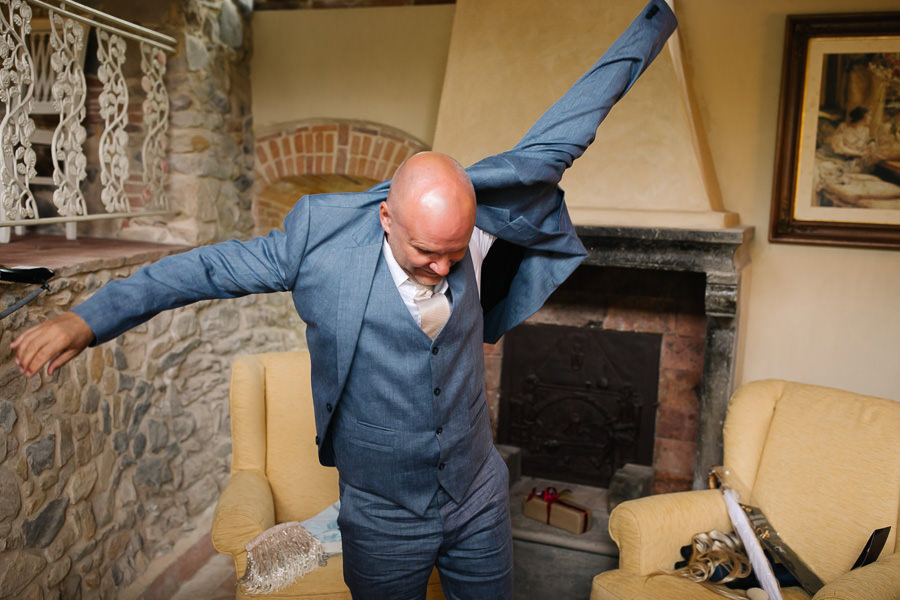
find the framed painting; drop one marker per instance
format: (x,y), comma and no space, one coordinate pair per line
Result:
(837,158)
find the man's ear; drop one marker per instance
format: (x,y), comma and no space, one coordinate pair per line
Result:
(384,216)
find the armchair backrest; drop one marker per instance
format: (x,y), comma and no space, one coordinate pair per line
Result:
(822,464)
(273,431)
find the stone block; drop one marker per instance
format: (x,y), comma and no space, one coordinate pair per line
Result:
(202,495)
(17,570)
(153,471)
(102,508)
(81,426)
(140,410)
(139,445)
(120,442)
(630,482)
(41,530)
(41,454)
(176,357)
(30,425)
(58,570)
(71,587)
(10,497)
(67,536)
(183,426)
(66,446)
(8,415)
(90,400)
(157,435)
(106,417)
(82,482)
(125,492)
(196,53)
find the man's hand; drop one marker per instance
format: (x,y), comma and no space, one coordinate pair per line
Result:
(59,339)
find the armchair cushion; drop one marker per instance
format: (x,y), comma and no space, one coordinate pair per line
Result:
(877,581)
(616,585)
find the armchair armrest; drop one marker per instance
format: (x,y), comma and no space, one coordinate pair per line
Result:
(244,511)
(650,531)
(877,581)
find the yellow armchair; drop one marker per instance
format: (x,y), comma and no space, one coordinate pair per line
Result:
(275,470)
(822,464)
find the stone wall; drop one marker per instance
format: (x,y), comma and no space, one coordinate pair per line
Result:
(104,465)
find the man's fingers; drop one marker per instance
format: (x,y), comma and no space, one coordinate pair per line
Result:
(61,360)
(23,337)
(60,338)
(41,350)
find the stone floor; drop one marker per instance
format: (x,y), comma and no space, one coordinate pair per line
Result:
(212,581)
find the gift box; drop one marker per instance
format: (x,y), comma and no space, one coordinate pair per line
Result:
(555,508)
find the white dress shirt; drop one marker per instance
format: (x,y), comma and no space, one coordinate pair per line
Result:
(479,244)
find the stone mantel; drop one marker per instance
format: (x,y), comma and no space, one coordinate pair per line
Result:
(722,255)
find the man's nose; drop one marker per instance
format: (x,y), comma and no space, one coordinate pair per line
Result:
(441,266)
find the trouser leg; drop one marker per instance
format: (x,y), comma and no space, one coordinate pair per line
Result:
(475,558)
(389,551)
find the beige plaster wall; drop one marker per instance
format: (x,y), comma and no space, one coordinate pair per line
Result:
(822,315)
(642,157)
(379,64)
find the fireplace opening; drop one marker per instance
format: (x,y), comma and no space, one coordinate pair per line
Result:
(608,372)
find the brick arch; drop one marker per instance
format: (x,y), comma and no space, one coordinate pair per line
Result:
(332,146)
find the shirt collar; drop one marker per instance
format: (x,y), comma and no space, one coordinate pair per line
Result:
(399,275)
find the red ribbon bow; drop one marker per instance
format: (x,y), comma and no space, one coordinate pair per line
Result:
(550,496)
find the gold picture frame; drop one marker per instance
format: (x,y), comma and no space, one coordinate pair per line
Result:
(837,158)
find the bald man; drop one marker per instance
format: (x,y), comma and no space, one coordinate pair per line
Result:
(389,283)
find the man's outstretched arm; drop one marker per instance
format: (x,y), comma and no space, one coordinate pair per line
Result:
(569,126)
(226,270)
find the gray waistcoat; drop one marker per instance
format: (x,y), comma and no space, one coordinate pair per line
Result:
(413,414)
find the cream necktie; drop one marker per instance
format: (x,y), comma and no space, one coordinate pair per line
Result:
(434,309)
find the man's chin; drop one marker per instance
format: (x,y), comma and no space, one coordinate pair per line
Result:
(428,279)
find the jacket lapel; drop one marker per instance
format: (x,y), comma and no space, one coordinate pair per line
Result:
(358,271)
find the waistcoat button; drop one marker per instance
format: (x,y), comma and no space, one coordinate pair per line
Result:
(439,431)
(437,391)
(434,350)
(328,407)
(441,467)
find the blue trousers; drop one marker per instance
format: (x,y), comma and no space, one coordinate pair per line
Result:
(389,551)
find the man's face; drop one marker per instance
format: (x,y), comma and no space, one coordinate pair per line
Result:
(427,241)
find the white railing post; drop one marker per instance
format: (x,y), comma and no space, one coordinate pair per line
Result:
(69,92)
(156,125)
(17,127)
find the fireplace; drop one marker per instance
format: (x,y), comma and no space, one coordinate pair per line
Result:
(575,398)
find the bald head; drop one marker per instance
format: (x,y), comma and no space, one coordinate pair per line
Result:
(435,176)
(429,215)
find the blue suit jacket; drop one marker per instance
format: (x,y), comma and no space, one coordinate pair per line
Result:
(327,254)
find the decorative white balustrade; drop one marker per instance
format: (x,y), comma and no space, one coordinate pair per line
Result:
(42,72)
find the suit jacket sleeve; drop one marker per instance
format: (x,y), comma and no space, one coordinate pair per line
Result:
(519,199)
(226,270)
